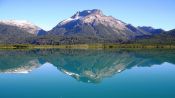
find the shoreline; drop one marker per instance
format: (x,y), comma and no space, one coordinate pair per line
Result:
(88,46)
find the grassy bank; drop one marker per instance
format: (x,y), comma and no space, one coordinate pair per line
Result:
(87,46)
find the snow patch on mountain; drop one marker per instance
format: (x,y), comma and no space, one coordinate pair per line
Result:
(23,24)
(95,17)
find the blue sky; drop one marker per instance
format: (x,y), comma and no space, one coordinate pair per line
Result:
(47,13)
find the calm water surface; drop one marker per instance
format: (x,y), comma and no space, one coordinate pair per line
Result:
(87,73)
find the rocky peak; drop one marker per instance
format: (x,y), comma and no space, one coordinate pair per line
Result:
(94,17)
(87,13)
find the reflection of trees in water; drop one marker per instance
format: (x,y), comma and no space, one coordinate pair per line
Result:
(85,65)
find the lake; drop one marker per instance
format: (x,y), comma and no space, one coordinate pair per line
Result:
(56,73)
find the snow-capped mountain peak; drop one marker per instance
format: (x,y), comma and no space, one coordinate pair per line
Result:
(82,15)
(86,13)
(95,17)
(19,23)
(22,24)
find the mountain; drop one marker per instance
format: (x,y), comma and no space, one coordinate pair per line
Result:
(25,26)
(171,33)
(16,31)
(166,37)
(85,27)
(151,30)
(92,26)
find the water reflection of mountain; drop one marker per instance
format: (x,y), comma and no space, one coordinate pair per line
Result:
(16,61)
(84,65)
(93,66)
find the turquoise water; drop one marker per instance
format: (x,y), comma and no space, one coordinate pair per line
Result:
(87,73)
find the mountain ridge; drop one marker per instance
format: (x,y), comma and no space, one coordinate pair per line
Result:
(84,27)
(24,25)
(93,24)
